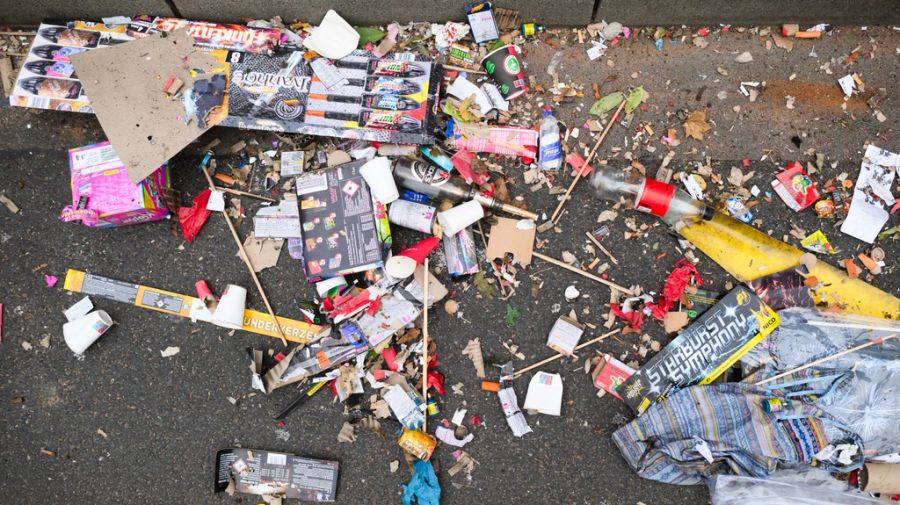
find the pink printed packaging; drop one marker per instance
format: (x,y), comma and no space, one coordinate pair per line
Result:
(103,195)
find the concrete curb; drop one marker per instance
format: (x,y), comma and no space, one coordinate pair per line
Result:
(558,13)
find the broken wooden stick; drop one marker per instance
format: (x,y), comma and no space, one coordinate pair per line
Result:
(244,257)
(425,347)
(245,193)
(550,259)
(819,361)
(582,273)
(560,355)
(598,244)
(556,213)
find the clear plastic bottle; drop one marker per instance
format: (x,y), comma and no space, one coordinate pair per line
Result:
(550,156)
(649,195)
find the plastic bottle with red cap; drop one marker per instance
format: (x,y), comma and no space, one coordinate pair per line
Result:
(649,195)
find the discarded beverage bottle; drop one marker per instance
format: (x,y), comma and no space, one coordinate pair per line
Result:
(529,29)
(437,183)
(649,195)
(550,155)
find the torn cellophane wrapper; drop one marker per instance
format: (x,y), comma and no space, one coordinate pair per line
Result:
(507,141)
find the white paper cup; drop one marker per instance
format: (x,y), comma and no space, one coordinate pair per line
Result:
(81,333)
(378,175)
(323,287)
(230,312)
(456,219)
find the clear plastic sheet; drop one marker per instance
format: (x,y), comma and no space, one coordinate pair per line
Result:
(786,487)
(867,402)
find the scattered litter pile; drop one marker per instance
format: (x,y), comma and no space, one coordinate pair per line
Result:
(432,128)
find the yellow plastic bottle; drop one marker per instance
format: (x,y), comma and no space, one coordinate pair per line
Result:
(747,253)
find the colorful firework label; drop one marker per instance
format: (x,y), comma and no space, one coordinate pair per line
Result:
(704,350)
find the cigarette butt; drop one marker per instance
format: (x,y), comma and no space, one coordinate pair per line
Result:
(808,35)
(490,386)
(227,179)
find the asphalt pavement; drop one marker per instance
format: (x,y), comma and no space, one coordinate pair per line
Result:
(126,425)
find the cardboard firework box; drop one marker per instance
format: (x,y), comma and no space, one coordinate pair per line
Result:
(47,79)
(392,99)
(231,37)
(103,195)
(268,473)
(704,350)
(338,222)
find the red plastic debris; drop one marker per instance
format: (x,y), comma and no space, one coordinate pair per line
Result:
(678,279)
(278,357)
(475,420)
(436,381)
(390,358)
(193,218)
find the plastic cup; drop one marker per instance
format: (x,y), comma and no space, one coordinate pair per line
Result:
(505,67)
(230,311)
(81,333)
(458,218)
(330,286)
(378,175)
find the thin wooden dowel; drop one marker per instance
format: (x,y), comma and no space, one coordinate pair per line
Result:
(556,213)
(598,244)
(874,341)
(246,259)
(425,348)
(560,355)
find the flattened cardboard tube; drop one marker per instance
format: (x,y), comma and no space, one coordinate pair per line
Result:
(81,333)
(230,312)
(458,218)
(880,478)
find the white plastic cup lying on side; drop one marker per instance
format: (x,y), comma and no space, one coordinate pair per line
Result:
(230,312)
(324,288)
(458,218)
(378,175)
(81,333)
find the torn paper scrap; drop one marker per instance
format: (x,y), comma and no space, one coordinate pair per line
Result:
(473,351)
(262,252)
(170,351)
(145,126)
(867,214)
(278,221)
(510,403)
(79,310)
(514,236)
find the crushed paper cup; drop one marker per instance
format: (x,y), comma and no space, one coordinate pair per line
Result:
(334,38)
(82,333)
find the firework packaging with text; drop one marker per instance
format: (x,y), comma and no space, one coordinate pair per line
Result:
(47,79)
(704,350)
(386,100)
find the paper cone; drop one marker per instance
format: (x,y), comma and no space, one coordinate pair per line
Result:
(230,312)
(402,265)
(81,333)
